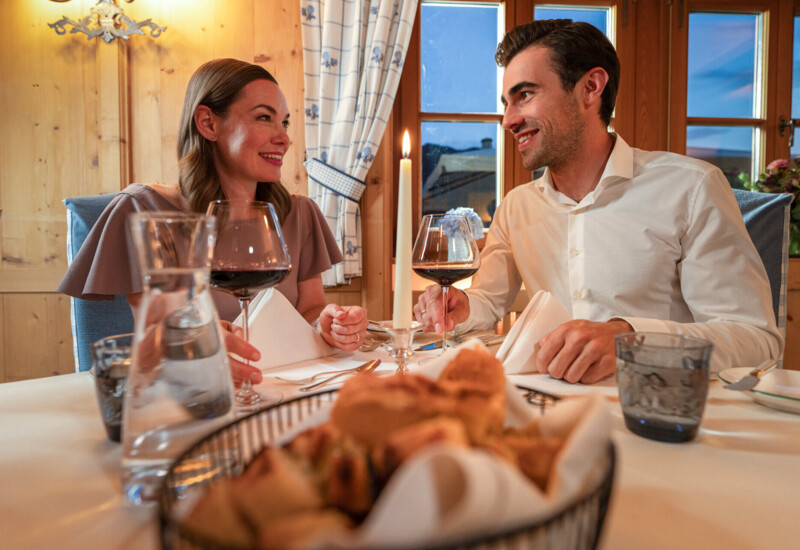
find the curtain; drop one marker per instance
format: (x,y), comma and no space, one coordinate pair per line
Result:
(353,55)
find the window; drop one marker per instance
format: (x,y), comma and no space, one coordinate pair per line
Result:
(730,86)
(725,86)
(460,113)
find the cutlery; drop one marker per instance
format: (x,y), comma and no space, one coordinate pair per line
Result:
(313,377)
(369,366)
(749,382)
(487,337)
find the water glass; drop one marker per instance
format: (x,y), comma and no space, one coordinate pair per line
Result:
(111,360)
(179,386)
(663,384)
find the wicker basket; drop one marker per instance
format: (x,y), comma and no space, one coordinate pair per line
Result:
(227,451)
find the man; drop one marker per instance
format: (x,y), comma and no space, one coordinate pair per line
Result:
(626,240)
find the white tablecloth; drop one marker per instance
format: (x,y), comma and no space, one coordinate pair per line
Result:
(737,486)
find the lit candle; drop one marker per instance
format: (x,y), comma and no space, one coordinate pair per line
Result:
(402,263)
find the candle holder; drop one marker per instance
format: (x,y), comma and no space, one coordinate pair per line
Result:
(401,341)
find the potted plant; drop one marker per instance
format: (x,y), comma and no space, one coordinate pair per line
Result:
(782,176)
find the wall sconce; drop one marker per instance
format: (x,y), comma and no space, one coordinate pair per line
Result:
(111,23)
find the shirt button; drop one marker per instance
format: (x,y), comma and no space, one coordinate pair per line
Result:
(575,252)
(577,295)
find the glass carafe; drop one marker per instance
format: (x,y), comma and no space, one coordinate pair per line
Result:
(179,387)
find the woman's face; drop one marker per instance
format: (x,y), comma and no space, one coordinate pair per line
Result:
(251,139)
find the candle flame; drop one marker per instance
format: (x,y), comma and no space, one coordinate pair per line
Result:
(406,145)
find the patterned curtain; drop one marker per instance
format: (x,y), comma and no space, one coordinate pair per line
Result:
(353,54)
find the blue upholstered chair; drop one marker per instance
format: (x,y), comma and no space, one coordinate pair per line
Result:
(91,320)
(766,216)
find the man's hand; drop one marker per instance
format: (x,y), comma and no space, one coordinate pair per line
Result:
(236,344)
(580,351)
(428,310)
(343,327)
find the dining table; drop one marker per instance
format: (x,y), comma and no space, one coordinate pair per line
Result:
(736,486)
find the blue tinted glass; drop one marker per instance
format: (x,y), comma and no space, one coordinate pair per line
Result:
(594,16)
(796,85)
(458,73)
(459,167)
(722,65)
(729,148)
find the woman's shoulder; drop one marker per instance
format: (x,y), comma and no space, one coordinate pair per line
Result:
(158,194)
(305,209)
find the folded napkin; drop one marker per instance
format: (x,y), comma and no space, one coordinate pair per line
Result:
(280,332)
(542,314)
(446,494)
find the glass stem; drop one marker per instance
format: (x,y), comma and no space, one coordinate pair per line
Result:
(247,384)
(445,289)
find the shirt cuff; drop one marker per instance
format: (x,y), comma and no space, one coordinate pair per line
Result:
(643,324)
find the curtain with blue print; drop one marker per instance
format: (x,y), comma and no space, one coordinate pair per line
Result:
(353,54)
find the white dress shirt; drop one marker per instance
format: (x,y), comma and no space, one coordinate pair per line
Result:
(660,242)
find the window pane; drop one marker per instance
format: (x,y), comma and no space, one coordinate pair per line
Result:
(723,49)
(796,85)
(460,167)
(729,148)
(592,15)
(458,73)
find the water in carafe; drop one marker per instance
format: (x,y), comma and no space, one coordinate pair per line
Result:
(179,387)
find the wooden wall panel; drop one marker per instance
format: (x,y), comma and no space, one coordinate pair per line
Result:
(48,140)
(37,336)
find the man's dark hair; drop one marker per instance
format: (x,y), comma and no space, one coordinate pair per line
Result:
(575,48)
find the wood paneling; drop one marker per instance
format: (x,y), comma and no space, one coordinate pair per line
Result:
(37,337)
(82,117)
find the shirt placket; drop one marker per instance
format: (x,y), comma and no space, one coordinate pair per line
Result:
(576,261)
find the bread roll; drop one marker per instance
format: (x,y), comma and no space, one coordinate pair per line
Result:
(274,486)
(477,386)
(369,407)
(404,442)
(216,517)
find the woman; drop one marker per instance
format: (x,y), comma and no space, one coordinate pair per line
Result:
(231,143)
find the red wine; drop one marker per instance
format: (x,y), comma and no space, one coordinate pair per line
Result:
(243,283)
(444,275)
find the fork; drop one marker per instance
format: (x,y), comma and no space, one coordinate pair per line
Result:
(310,379)
(369,366)
(371,345)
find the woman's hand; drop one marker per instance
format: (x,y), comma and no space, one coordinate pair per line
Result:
(236,344)
(343,327)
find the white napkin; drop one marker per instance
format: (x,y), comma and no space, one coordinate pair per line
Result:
(280,333)
(445,493)
(542,314)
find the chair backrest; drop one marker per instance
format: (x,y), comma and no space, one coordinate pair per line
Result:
(91,320)
(766,216)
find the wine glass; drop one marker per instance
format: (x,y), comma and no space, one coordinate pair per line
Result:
(445,251)
(250,255)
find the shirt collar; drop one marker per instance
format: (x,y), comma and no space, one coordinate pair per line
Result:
(618,167)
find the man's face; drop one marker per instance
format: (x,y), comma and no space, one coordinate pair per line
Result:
(546,120)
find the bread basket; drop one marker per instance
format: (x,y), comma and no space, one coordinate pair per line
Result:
(227,451)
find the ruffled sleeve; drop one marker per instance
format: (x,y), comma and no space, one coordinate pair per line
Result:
(106,263)
(318,250)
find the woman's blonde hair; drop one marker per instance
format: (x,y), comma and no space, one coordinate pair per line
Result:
(217,85)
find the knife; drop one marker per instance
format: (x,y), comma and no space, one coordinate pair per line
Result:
(749,382)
